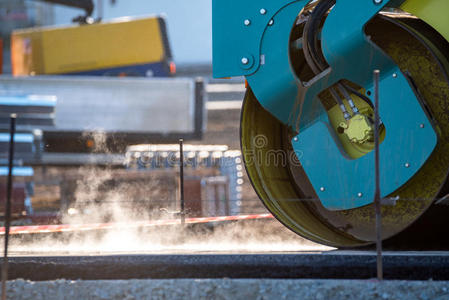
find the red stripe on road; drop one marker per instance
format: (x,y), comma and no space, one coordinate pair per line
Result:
(15,230)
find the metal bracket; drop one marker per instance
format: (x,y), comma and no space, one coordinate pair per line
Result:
(238,27)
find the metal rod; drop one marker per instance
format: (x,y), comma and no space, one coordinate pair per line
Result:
(227,198)
(12,132)
(181,180)
(100,10)
(377,197)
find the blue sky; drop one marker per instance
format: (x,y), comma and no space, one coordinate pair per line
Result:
(189,23)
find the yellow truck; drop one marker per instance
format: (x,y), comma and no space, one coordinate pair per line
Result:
(121,47)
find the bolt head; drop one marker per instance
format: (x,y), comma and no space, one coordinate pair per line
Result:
(322,189)
(407,165)
(360,195)
(421,126)
(271,22)
(377,1)
(245,60)
(295,139)
(247,22)
(395,75)
(263,11)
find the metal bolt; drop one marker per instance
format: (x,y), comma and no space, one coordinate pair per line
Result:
(360,195)
(407,165)
(295,139)
(262,59)
(263,11)
(322,189)
(271,22)
(245,60)
(421,125)
(395,75)
(377,1)
(247,22)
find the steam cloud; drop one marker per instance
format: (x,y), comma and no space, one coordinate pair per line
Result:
(100,197)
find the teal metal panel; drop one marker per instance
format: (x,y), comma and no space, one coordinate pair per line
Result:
(274,84)
(352,56)
(233,40)
(349,54)
(344,183)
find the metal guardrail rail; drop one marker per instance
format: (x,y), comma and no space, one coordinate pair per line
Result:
(130,110)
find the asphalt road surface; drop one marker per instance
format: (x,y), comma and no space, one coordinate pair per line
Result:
(325,265)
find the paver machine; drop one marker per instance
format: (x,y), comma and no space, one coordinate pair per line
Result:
(307,129)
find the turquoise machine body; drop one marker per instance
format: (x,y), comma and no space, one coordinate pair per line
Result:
(251,38)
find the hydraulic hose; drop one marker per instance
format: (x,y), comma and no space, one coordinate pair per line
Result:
(315,58)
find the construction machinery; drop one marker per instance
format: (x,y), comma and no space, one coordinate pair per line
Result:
(307,125)
(92,51)
(137,47)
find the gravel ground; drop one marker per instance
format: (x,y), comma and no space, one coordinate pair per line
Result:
(228,289)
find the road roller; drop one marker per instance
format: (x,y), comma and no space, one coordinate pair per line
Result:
(307,122)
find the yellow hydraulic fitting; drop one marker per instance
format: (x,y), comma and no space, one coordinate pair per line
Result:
(359,129)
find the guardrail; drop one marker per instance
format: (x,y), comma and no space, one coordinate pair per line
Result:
(126,110)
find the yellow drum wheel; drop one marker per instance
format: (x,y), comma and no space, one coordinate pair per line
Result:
(282,184)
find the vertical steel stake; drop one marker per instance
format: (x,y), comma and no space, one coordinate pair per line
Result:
(12,132)
(377,197)
(181,180)
(100,9)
